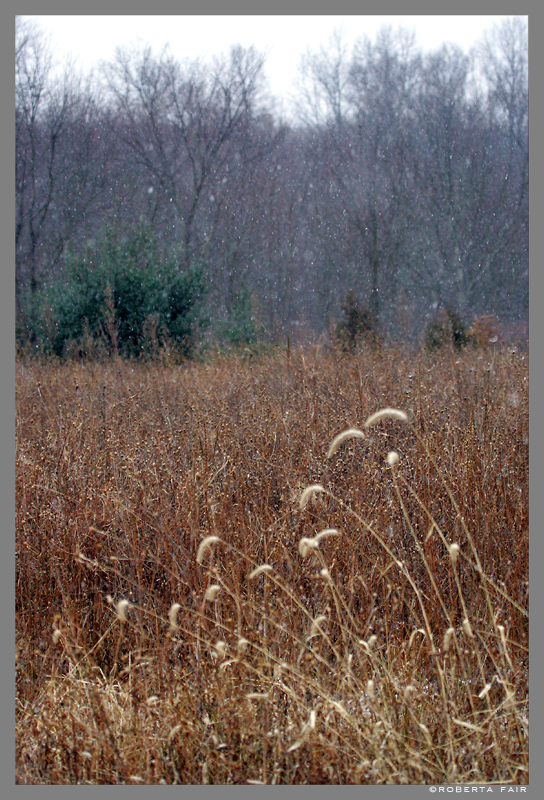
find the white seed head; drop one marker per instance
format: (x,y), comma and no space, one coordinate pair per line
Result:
(56,635)
(325,573)
(467,629)
(431,531)
(211,592)
(325,533)
(306,728)
(369,646)
(484,691)
(392,458)
(258,570)
(306,545)
(122,607)
(426,731)
(278,669)
(243,644)
(175,729)
(447,637)
(408,692)
(350,433)
(203,547)
(385,413)
(172,616)
(418,630)
(316,626)
(370,689)
(308,492)
(454,553)
(220,650)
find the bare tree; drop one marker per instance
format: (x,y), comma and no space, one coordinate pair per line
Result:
(420,184)
(473,188)
(503,61)
(323,83)
(180,123)
(32,69)
(62,153)
(365,139)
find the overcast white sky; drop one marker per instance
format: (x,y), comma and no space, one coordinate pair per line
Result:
(90,39)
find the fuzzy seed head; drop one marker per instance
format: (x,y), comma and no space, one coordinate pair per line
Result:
(454,553)
(419,630)
(175,729)
(243,644)
(370,689)
(368,646)
(386,413)
(484,691)
(316,626)
(258,570)
(325,533)
(203,547)
(56,635)
(172,616)
(211,592)
(220,650)
(122,608)
(408,692)
(308,492)
(306,545)
(278,669)
(350,433)
(447,637)
(392,458)
(426,731)
(431,531)
(467,629)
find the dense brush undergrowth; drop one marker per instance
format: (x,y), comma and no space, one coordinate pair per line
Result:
(147,652)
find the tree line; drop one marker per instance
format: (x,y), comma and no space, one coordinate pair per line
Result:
(403,183)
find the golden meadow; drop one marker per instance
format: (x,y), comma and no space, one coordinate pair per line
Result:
(231,572)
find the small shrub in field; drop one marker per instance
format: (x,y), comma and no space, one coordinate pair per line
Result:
(241,329)
(357,325)
(115,290)
(483,330)
(447,329)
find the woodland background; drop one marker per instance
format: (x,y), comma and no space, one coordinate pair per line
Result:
(167,199)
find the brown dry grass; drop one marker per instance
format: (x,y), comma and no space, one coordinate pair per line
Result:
(122,470)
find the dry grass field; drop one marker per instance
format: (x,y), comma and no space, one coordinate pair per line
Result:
(179,619)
